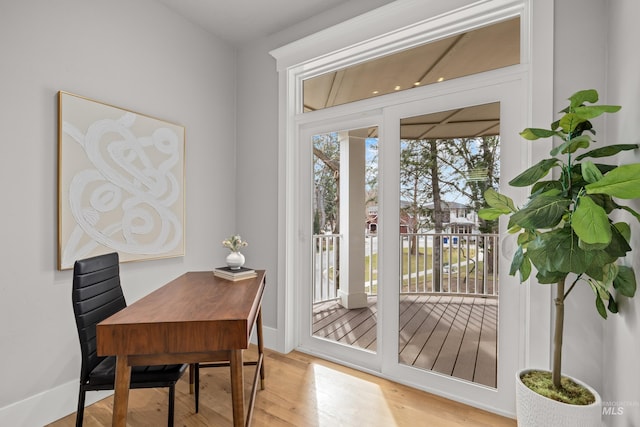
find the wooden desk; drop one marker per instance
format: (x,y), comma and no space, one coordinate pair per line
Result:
(195,318)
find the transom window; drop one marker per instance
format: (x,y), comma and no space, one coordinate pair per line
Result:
(483,49)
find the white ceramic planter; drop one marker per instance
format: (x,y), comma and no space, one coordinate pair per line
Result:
(235,260)
(534,410)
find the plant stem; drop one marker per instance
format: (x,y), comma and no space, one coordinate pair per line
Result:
(557,336)
(572,285)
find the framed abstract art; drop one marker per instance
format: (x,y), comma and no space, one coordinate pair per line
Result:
(120,183)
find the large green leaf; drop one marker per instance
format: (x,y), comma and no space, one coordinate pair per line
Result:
(624,229)
(590,172)
(525,269)
(600,259)
(572,145)
(591,223)
(535,133)
(516,262)
(612,306)
(600,306)
(525,237)
(625,281)
(490,214)
(499,201)
(534,173)
(544,186)
(549,277)
(601,292)
(570,121)
(579,98)
(619,245)
(515,229)
(541,212)
(598,273)
(592,111)
(609,150)
(558,251)
(605,201)
(582,127)
(591,246)
(605,168)
(520,263)
(622,182)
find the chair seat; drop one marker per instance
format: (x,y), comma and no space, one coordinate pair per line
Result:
(105,373)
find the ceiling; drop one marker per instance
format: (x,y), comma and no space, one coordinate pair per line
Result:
(470,122)
(239,21)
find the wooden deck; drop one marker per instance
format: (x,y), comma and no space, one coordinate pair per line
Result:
(453,335)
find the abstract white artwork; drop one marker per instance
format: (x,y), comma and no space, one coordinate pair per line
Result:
(120,183)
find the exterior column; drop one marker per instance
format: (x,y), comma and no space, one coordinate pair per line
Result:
(352,218)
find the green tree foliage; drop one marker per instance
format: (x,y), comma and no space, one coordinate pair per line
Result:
(326,175)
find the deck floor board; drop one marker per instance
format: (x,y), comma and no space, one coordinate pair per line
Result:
(453,335)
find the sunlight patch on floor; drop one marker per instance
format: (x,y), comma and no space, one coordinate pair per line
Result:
(343,399)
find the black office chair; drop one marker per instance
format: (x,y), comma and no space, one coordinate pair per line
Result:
(96,295)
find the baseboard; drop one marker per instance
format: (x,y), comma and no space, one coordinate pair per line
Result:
(269,335)
(58,402)
(47,407)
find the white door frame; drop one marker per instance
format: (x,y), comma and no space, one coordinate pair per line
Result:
(509,91)
(400,25)
(345,354)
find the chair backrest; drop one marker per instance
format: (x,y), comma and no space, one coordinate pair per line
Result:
(96,295)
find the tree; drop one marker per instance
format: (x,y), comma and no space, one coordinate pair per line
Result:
(326,169)
(415,183)
(474,168)
(431,169)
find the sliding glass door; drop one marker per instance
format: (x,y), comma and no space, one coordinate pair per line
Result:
(339,299)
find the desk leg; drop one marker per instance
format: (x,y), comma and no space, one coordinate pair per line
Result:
(121,396)
(237,387)
(260,346)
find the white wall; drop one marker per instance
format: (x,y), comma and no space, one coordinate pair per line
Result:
(133,54)
(593,49)
(579,63)
(622,333)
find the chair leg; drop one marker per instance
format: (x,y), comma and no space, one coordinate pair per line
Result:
(172,398)
(196,381)
(80,412)
(260,347)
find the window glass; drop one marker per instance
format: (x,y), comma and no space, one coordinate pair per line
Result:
(483,49)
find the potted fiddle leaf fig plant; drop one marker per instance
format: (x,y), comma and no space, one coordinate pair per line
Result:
(568,232)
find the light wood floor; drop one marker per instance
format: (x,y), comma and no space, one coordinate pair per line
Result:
(301,391)
(452,335)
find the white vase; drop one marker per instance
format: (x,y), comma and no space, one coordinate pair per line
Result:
(235,260)
(534,410)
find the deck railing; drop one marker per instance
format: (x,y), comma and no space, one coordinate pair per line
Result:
(325,266)
(450,263)
(443,263)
